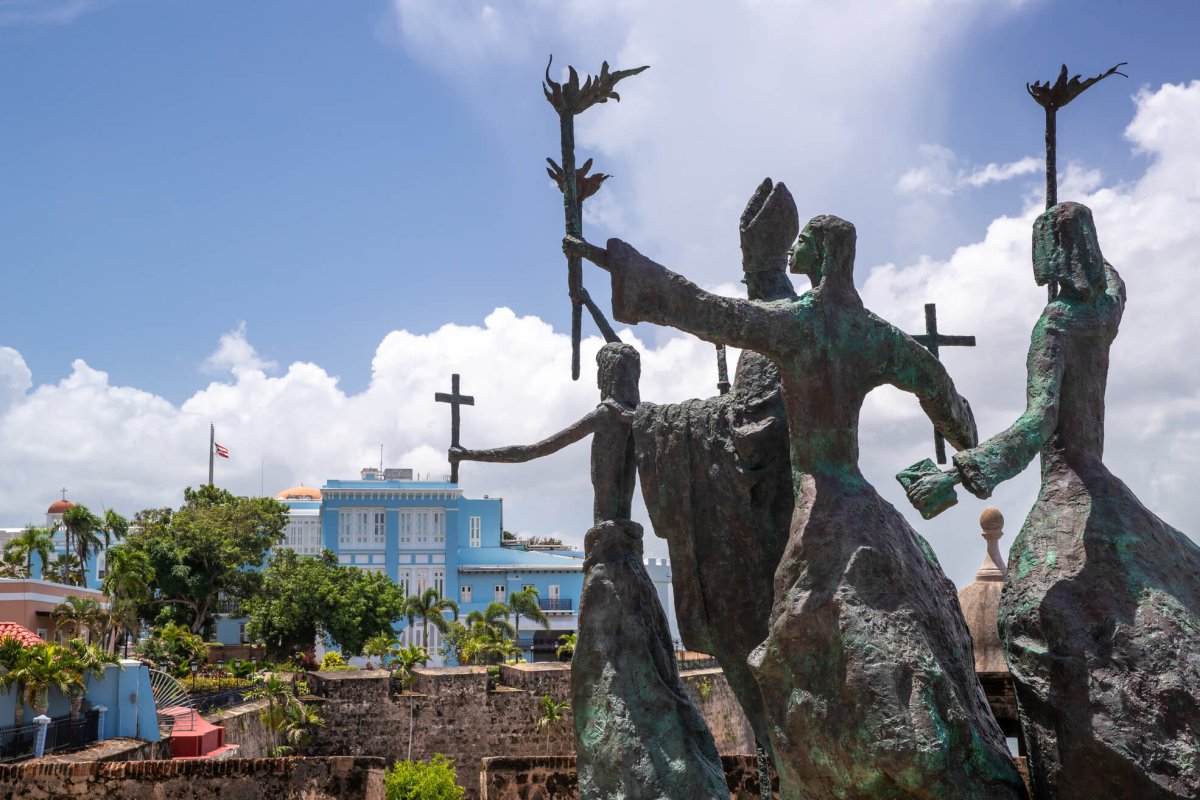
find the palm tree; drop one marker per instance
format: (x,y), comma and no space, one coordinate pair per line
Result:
(379,645)
(429,607)
(566,645)
(82,660)
(298,721)
(83,528)
(405,660)
(524,603)
(38,669)
(127,580)
(10,568)
(81,613)
(274,716)
(30,542)
(491,633)
(65,569)
(553,717)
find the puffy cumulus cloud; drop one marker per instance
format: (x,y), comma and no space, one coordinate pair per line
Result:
(235,354)
(800,88)
(1150,230)
(127,449)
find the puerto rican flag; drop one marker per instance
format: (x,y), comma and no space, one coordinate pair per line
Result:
(223,452)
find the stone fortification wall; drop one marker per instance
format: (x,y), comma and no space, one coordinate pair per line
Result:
(553,778)
(234,779)
(452,711)
(244,728)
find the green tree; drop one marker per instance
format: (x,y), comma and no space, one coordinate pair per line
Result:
(77,614)
(552,717)
(83,531)
(430,608)
(36,670)
(405,660)
(212,544)
(566,645)
(418,780)
(30,542)
(82,660)
(490,636)
(127,582)
(305,597)
(379,646)
(173,643)
(524,603)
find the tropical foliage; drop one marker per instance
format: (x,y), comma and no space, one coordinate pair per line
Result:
(552,718)
(211,546)
(36,669)
(289,720)
(419,780)
(174,644)
(302,598)
(21,549)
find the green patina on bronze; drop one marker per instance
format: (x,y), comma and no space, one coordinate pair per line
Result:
(1100,613)
(866,673)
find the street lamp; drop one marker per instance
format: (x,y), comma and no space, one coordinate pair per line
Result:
(195,669)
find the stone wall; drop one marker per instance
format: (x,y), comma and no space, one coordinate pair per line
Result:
(244,728)
(233,779)
(452,711)
(711,693)
(553,778)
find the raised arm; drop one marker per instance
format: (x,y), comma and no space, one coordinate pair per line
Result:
(913,369)
(515,454)
(644,291)
(1006,454)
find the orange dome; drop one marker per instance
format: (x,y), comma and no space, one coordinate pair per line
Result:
(301,492)
(59,506)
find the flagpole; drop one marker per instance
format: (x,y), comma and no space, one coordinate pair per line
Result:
(212,448)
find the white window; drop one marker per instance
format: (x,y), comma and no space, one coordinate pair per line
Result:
(242,633)
(476,529)
(404,581)
(525,587)
(378,528)
(464,594)
(422,527)
(439,581)
(552,591)
(421,577)
(501,591)
(360,527)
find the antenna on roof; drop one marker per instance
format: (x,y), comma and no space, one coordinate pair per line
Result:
(381,458)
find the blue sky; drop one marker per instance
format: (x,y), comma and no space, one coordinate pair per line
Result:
(198,196)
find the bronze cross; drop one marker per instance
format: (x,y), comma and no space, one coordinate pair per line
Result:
(931,340)
(455,399)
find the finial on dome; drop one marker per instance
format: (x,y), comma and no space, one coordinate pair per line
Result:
(992,523)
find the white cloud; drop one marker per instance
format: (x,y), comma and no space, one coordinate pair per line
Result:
(736,91)
(236,355)
(128,449)
(941,172)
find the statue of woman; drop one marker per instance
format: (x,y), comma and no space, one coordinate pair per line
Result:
(866,673)
(1100,614)
(637,734)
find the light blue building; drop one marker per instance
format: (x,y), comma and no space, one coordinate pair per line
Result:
(426,534)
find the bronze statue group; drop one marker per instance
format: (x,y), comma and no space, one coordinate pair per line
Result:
(840,635)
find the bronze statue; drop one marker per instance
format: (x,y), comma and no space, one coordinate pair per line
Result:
(1100,615)
(866,674)
(637,734)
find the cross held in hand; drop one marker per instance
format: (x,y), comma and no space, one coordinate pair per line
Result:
(933,341)
(455,399)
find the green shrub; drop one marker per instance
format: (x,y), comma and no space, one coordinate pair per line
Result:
(420,780)
(333,660)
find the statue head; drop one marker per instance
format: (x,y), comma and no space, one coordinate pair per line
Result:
(768,225)
(619,370)
(824,251)
(1066,251)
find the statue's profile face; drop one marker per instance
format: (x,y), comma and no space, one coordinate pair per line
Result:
(803,256)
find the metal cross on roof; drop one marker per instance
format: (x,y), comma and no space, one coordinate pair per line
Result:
(64,492)
(455,399)
(932,341)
